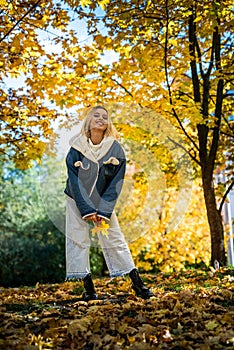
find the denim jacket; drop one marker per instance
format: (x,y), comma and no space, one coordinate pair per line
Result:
(95,184)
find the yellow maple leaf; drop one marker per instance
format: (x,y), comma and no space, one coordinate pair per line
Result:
(103,3)
(101,227)
(3,3)
(84,3)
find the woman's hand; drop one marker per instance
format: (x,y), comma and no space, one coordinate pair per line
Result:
(99,219)
(94,218)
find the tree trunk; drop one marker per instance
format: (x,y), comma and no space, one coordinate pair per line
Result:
(208,138)
(215,222)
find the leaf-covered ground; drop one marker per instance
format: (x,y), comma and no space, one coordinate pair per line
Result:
(193,310)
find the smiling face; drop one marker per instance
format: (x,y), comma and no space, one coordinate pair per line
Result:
(99,120)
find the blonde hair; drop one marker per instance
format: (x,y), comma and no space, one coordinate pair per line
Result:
(110,130)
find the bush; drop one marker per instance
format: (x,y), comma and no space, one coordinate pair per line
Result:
(24,261)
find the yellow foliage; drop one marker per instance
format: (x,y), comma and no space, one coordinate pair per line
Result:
(187,244)
(101,228)
(85,3)
(103,3)
(3,3)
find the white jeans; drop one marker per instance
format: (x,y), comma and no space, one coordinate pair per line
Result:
(115,249)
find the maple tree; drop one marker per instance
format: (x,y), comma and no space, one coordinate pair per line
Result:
(184,246)
(28,110)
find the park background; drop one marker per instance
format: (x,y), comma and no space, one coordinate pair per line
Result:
(165,73)
(164,70)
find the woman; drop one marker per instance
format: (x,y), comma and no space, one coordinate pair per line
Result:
(96,167)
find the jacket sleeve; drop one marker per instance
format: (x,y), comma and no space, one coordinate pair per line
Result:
(76,188)
(111,194)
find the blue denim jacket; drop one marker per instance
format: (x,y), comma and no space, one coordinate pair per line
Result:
(95,184)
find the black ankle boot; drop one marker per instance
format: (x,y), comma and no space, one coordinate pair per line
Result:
(138,285)
(89,293)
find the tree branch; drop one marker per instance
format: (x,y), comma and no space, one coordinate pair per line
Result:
(219,98)
(226,134)
(199,56)
(227,122)
(193,65)
(20,20)
(186,151)
(183,129)
(182,93)
(122,86)
(4,152)
(168,83)
(211,64)
(125,89)
(225,196)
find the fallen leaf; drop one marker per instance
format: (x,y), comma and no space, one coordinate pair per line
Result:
(211,325)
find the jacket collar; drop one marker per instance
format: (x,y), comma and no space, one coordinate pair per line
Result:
(80,143)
